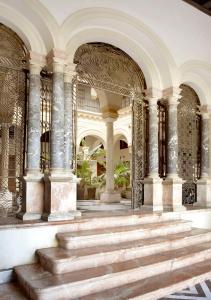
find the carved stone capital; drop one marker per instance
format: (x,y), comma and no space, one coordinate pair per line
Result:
(110,117)
(69,72)
(36,62)
(172,94)
(153,95)
(56,60)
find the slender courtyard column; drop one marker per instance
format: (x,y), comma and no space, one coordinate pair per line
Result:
(204,183)
(33,188)
(153,189)
(110,195)
(60,186)
(172,185)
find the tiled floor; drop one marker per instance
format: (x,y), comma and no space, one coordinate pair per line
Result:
(200,291)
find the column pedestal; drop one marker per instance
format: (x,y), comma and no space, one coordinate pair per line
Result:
(203,193)
(111,197)
(172,194)
(33,191)
(153,194)
(60,197)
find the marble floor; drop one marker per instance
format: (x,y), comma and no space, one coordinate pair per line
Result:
(201,291)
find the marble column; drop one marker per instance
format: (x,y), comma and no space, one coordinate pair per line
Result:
(204,183)
(33,187)
(153,189)
(60,184)
(172,185)
(68,114)
(110,195)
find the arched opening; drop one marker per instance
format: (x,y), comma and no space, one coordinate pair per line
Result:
(189,143)
(13,95)
(117,82)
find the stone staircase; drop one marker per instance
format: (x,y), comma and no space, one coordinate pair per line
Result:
(123,257)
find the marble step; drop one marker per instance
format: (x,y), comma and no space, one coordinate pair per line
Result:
(58,260)
(11,291)
(157,287)
(43,285)
(120,219)
(114,235)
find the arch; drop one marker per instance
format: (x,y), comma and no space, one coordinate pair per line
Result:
(196,74)
(118,132)
(23,28)
(122,31)
(93,132)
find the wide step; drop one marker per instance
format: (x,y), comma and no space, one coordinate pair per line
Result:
(156,287)
(42,285)
(58,260)
(114,235)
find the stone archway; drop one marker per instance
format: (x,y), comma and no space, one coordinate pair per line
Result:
(109,69)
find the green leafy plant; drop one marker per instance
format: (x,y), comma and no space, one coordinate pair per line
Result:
(84,172)
(121,175)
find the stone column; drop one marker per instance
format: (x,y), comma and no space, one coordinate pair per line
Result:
(204,183)
(60,185)
(172,185)
(33,188)
(68,114)
(153,189)
(110,195)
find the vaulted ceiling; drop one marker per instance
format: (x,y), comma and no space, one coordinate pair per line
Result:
(203,5)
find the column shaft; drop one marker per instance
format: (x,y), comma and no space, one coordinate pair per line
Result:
(153,190)
(57,120)
(68,139)
(109,157)
(172,185)
(33,128)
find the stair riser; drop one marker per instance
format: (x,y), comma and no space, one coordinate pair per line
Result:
(120,221)
(120,237)
(94,285)
(73,264)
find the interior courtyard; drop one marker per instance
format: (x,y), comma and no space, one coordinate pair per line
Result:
(105,149)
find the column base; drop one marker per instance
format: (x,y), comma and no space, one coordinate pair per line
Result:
(60,197)
(28,216)
(203,193)
(70,215)
(172,194)
(153,194)
(33,197)
(110,197)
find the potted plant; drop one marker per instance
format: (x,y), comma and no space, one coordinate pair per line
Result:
(121,177)
(84,173)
